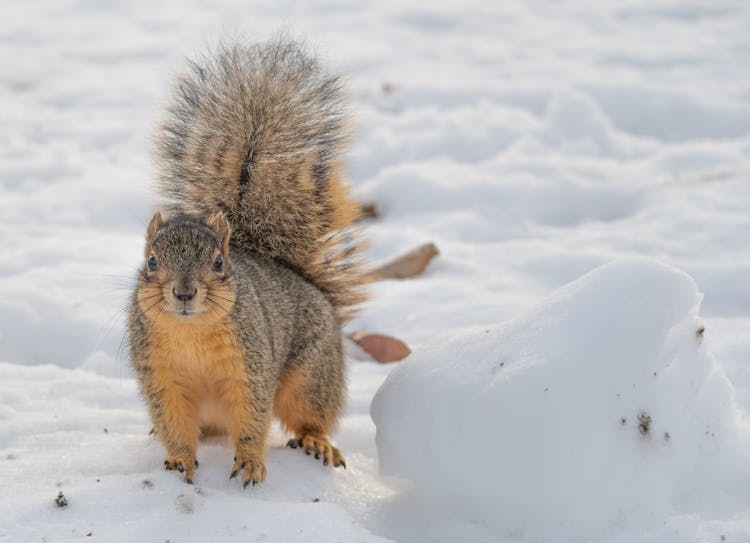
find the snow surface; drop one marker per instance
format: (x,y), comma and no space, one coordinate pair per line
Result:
(532,142)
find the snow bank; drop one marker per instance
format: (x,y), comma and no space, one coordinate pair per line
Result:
(599,406)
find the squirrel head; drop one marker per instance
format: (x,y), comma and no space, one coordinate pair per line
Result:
(186,273)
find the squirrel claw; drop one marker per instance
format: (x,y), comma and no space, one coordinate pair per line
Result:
(244,485)
(237,469)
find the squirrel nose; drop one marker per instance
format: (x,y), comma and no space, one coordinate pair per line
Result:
(184,294)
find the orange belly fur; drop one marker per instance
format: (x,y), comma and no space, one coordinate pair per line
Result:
(206,362)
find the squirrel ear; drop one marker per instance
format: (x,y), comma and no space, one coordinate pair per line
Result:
(156,222)
(219,223)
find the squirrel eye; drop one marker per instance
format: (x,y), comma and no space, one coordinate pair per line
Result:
(152,263)
(218,264)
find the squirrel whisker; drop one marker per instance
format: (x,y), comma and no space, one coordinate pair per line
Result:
(157,302)
(214,295)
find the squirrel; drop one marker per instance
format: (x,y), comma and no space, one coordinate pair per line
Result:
(252,269)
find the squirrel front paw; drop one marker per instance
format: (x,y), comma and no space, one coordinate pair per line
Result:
(184,465)
(253,468)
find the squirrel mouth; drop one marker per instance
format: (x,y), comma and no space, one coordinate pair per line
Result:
(185,310)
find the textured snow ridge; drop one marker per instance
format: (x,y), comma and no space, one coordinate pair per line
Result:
(599,407)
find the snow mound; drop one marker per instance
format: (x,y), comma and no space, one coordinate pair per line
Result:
(599,406)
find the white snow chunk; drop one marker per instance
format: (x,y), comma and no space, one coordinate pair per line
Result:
(599,407)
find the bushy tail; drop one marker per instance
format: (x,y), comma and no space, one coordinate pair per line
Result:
(255,132)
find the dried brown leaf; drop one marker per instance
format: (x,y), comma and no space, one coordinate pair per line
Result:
(407,265)
(382,348)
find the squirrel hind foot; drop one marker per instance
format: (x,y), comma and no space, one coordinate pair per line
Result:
(315,443)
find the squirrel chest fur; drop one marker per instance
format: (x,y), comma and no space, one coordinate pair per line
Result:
(205,361)
(250,272)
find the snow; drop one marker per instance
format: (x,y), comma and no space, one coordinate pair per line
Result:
(532,142)
(600,405)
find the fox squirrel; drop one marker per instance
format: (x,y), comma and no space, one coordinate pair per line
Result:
(249,274)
